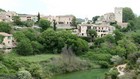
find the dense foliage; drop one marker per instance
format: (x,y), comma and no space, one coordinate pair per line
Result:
(5,27)
(53,42)
(44,24)
(128,14)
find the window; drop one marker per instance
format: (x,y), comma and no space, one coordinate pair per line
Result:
(3,43)
(95,27)
(88,27)
(82,34)
(61,22)
(9,37)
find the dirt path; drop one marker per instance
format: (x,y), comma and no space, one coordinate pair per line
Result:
(120,69)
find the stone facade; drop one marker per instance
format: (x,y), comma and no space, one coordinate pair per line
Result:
(27,17)
(7,16)
(111,17)
(61,20)
(118,14)
(7,41)
(101,30)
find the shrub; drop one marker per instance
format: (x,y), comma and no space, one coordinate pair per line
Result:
(116,60)
(24,75)
(103,64)
(113,73)
(24,47)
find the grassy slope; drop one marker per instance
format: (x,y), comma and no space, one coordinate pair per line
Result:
(37,58)
(33,58)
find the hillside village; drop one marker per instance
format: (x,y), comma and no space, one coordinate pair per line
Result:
(44,47)
(101,26)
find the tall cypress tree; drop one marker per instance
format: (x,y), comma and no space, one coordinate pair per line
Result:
(38,17)
(54,25)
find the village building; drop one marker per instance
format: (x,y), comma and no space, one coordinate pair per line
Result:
(101,30)
(117,16)
(63,21)
(6,41)
(7,16)
(28,17)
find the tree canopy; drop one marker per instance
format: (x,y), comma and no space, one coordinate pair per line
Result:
(128,14)
(74,23)
(5,27)
(44,24)
(95,18)
(2,10)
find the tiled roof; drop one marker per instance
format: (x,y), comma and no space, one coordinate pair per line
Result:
(5,34)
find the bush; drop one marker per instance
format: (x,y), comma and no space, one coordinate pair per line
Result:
(36,70)
(113,73)
(24,47)
(116,60)
(24,75)
(103,64)
(98,56)
(53,42)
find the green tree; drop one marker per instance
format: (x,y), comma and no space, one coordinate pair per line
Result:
(98,42)
(51,41)
(54,41)
(5,27)
(38,17)
(74,23)
(31,34)
(136,23)
(2,10)
(92,33)
(19,36)
(136,38)
(109,38)
(44,24)
(17,20)
(80,47)
(37,47)
(118,35)
(24,75)
(28,23)
(95,18)
(129,47)
(128,14)
(24,47)
(54,25)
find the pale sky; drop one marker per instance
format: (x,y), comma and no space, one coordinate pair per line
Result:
(79,8)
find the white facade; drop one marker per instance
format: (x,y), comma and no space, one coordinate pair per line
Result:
(101,30)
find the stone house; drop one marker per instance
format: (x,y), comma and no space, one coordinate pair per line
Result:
(61,20)
(7,16)
(101,30)
(7,41)
(27,17)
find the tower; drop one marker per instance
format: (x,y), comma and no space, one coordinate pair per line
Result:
(119,14)
(86,20)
